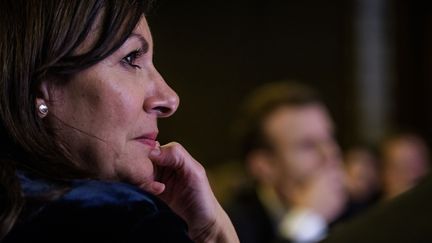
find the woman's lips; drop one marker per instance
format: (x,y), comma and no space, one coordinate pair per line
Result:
(148,139)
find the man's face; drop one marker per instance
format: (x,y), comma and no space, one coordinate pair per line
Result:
(303,143)
(406,163)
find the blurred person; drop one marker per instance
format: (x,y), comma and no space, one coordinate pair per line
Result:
(291,154)
(361,178)
(361,168)
(405,217)
(405,161)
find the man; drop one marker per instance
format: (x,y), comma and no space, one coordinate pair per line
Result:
(362,180)
(405,158)
(290,152)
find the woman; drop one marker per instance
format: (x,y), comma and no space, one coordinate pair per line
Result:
(79,103)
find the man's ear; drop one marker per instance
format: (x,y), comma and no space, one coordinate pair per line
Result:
(261,166)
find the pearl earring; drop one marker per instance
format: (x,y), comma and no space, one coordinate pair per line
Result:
(43,109)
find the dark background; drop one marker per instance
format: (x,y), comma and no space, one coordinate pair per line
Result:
(213,53)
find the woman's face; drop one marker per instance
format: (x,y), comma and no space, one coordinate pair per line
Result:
(107,114)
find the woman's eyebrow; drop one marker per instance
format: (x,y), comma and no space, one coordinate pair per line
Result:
(144,42)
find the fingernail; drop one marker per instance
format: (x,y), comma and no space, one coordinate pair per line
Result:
(158,188)
(155,152)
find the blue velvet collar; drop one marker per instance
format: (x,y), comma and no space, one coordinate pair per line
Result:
(87,192)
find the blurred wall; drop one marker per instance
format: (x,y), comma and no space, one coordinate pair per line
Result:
(412,93)
(214,52)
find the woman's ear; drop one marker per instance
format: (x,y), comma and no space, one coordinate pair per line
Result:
(42,99)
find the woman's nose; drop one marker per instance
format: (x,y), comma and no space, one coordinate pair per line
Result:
(164,101)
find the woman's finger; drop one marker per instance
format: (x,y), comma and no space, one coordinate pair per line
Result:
(171,155)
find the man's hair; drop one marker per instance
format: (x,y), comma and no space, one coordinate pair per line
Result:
(261,103)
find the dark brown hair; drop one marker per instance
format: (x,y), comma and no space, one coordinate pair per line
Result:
(264,101)
(39,41)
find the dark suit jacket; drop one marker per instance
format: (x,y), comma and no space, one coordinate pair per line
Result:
(406,219)
(251,220)
(96,211)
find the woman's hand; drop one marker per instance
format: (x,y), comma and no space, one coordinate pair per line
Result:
(182,183)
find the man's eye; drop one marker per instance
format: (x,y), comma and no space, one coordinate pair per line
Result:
(131,58)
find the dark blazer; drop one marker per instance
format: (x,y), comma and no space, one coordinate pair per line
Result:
(251,220)
(406,219)
(96,211)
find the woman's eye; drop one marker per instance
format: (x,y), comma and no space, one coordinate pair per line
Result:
(131,58)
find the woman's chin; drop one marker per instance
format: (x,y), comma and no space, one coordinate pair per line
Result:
(139,174)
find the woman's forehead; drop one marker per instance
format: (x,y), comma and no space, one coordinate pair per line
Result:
(141,29)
